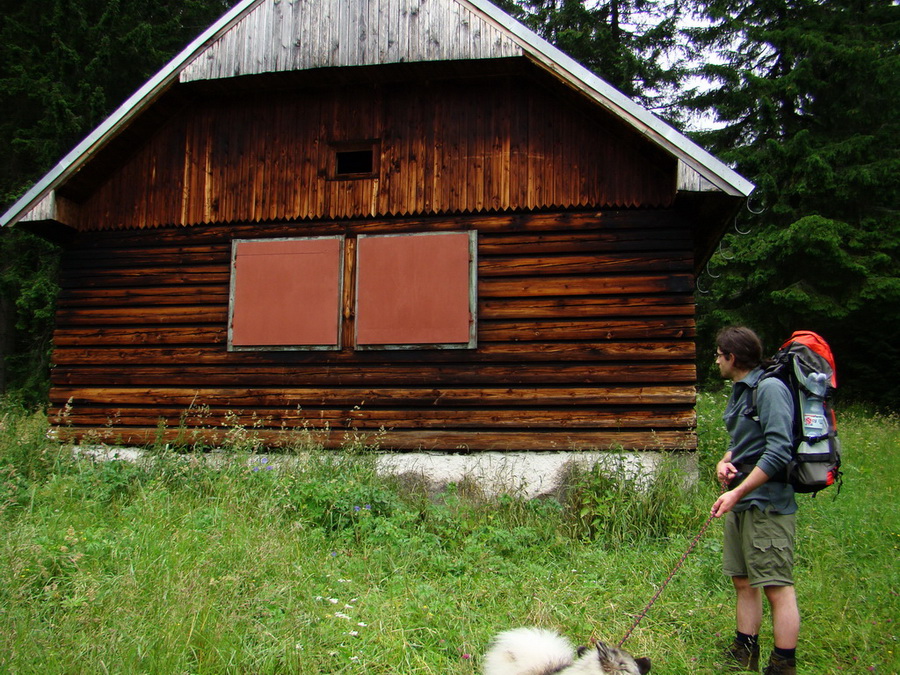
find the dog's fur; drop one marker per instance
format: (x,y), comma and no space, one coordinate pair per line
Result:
(535,651)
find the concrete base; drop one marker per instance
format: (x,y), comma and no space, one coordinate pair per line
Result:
(524,474)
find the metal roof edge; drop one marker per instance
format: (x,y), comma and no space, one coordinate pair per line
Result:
(145,95)
(551,57)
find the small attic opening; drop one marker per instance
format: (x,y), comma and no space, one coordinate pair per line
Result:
(358,159)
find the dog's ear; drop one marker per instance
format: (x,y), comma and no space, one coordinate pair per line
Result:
(605,652)
(611,659)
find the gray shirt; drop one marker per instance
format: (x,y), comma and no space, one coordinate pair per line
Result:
(765,443)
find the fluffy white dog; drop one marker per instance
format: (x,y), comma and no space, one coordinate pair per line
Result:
(535,651)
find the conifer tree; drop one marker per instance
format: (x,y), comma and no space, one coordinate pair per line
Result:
(64,66)
(631,44)
(805,92)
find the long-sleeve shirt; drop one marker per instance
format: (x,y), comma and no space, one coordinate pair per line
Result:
(765,442)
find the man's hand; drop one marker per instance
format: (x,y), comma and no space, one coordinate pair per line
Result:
(725,472)
(725,503)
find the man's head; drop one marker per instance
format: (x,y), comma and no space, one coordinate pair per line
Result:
(738,351)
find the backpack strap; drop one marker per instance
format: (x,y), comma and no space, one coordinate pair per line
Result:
(753,413)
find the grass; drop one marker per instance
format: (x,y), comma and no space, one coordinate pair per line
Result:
(171,566)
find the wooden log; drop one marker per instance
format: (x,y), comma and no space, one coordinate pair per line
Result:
(450,441)
(377,375)
(292,397)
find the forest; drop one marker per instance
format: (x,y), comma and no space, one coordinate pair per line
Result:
(799,96)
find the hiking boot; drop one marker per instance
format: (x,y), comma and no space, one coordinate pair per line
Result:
(739,657)
(779,665)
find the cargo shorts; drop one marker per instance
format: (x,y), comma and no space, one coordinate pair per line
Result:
(759,545)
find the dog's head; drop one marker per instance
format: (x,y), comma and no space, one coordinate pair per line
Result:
(605,659)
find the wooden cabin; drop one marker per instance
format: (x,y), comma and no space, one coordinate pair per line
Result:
(407,220)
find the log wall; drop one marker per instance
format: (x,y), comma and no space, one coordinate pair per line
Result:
(585,340)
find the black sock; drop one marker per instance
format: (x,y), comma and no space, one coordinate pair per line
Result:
(745,639)
(786,653)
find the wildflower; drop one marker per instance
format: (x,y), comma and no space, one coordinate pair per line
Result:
(341,615)
(353,633)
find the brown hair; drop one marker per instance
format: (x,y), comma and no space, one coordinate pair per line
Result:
(743,344)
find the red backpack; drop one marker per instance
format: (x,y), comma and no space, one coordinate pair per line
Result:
(805,364)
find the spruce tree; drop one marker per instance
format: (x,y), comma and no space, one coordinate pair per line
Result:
(64,66)
(631,44)
(805,94)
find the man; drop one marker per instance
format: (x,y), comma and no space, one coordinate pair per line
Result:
(759,527)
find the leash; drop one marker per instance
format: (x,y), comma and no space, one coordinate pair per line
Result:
(666,582)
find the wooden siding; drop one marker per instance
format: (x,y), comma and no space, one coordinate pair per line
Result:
(445,147)
(301,35)
(585,340)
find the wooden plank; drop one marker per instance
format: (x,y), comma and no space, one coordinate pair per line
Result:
(553,331)
(145,335)
(290,397)
(578,285)
(449,441)
(583,264)
(129,316)
(136,296)
(84,353)
(375,375)
(610,307)
(621,225)
(369,419)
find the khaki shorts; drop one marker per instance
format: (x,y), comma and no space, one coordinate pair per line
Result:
(760,546)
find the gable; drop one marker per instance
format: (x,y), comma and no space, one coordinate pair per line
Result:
(452,146)
(281,36)
(265,36)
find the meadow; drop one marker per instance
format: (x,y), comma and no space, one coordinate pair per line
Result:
(315,563)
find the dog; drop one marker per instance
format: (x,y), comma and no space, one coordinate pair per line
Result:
(536,651)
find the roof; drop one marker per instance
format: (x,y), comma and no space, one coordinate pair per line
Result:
(260,36)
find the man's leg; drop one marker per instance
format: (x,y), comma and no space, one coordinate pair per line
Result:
(785,615)
(743,653)
(786,627)
(749,606)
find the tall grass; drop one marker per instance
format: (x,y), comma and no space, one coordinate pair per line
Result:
(318,564)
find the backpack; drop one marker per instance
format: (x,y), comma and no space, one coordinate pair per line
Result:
(806,365)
